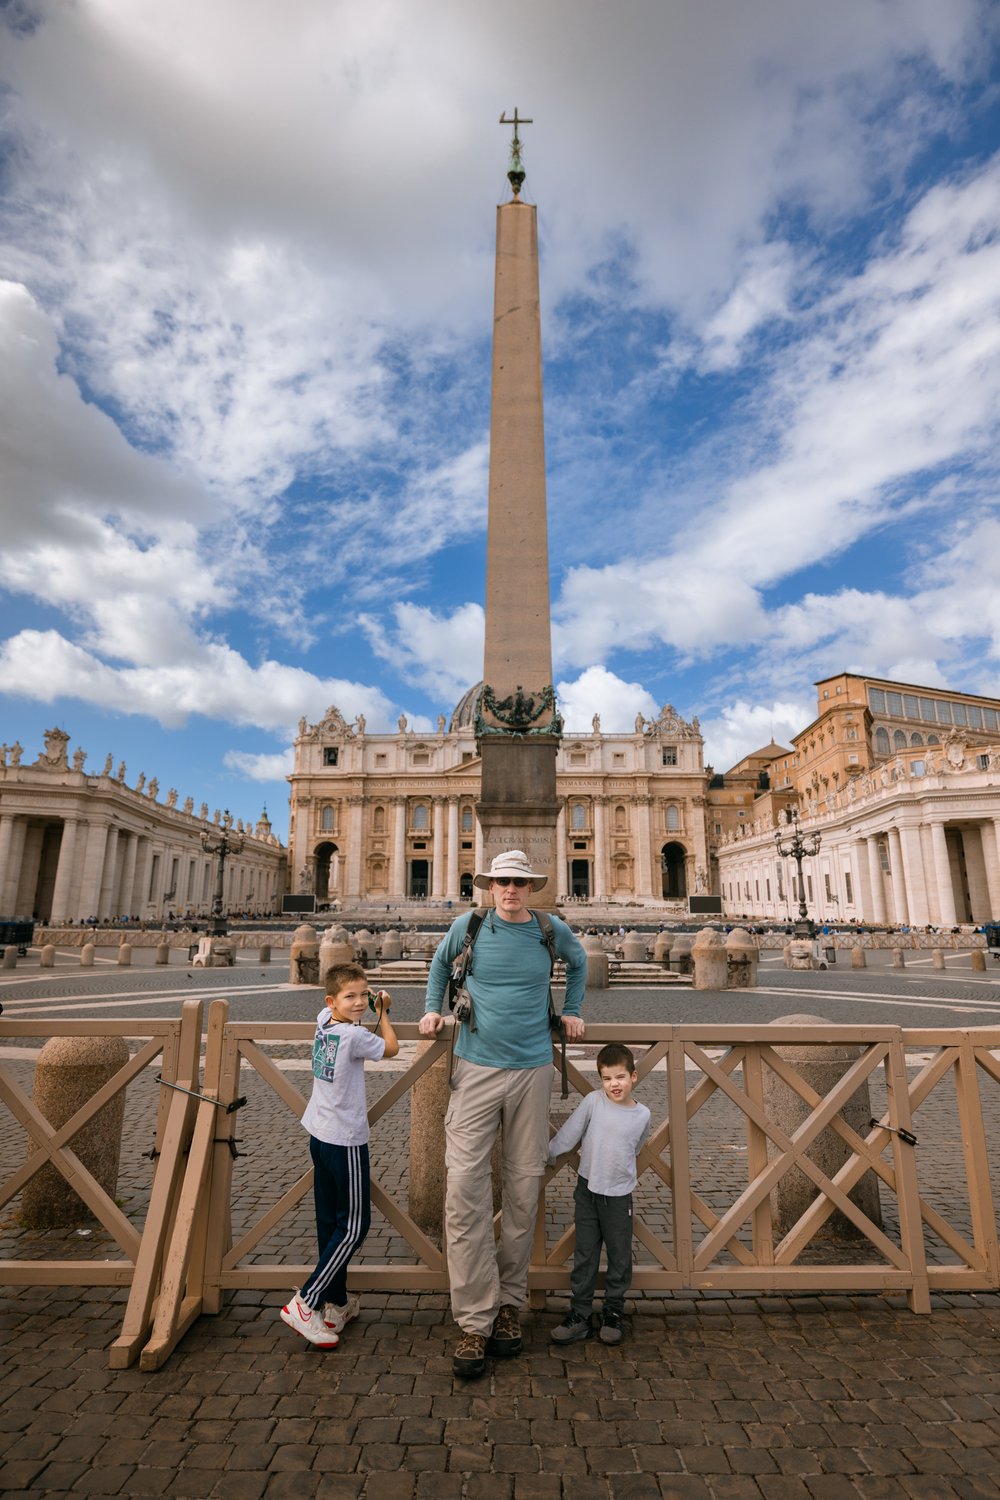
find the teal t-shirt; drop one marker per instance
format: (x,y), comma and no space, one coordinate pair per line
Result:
(509,985)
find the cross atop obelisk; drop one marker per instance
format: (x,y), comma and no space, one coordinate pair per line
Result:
(518,727)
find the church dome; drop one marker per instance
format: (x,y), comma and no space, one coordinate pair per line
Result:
(466,709)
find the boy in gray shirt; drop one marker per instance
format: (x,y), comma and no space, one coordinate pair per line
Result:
(610,1127)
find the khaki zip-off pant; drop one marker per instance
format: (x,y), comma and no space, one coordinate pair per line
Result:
(483,1275)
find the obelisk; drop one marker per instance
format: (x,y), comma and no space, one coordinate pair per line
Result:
(518,727)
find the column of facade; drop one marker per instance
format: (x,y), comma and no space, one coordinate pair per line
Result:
(877,885)
(352,862)
(862,878)
(108,874)
(140,875)
(898,882)
(93,867)
(158,875)
(29,866)
(562,862)
(11,843)
(644,872)
(947,914)
(916,884)
(62,891)
(397,870)
(990,834)
(599,849)
(451,883)
(438,868)
(126,889)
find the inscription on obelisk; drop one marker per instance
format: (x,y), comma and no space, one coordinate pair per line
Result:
(518,727)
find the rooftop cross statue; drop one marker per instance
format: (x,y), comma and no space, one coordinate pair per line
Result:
(516,173)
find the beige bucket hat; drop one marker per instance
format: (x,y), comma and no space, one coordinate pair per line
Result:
(511,865)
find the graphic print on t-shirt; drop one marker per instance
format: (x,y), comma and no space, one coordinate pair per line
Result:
(325,1049)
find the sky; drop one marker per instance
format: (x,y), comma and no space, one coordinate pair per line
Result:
(246,280)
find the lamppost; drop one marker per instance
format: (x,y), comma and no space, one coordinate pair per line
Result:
(220,841)
(798,847)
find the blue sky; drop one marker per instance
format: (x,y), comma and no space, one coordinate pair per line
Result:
(245,314)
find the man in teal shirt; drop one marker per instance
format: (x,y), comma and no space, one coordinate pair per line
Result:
(502,1075)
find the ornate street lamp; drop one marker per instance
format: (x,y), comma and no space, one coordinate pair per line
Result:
(220,841)
(798,847)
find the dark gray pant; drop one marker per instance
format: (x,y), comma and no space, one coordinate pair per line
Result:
(607,1221)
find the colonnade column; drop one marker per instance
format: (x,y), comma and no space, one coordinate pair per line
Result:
(15,855)
(562,871)
(644,869)
(990,835)
(140,878)
(898,877)
(451,884)
(877,884)
(7,825)
(352,871)
(916,885)
(947,913)
(62,889)
(599,849)
(438,859)
(108,873)
(127,898)
(397,873)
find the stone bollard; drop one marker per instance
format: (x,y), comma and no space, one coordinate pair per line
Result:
(711,960)
(364,946)
(977,959)
(680,953)
(264,953)
(124,955)
(392,948)
(87,956)
(335,949)
(47,957)
(69,1071)
(821,1066)
(428,1105)
(162,953)
(303,964)
(742,954)
(661,949)
(859,959)
(10,958)
(598,968)
(937,958)
(898,958)
(786,955)
(634,948)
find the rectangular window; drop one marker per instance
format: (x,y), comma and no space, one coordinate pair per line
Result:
(943,712)
(852,760)
(153,876)
(809,882)
(380,760)
(894,705)
(577,758)
(848,888)
(421,759)
(670,755)
(827,888)
(781,884)
(916,768)
(718,830)
(330,753)
(910,706)
(876,700)
(767,887)
(989,718)
(756,886)
(958,712)
(984,762)
(927,709)
(618,758)
(975,714)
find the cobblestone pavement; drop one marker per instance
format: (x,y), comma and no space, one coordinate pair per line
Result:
(711,1395)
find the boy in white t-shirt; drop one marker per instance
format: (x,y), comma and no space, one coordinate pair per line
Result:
(610,1128)
(336,1118)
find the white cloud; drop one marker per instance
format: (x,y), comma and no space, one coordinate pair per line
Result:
(263,767)
(742,727)
(598,691)
(444,653)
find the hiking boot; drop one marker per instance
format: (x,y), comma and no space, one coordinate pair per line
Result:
(337,1317)
(309,1322)
(505,1340)
(469,1359)
(572,1329)
(612,1327)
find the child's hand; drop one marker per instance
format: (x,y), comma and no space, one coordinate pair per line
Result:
(384,999)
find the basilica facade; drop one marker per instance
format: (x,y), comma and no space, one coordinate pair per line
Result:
(392,817)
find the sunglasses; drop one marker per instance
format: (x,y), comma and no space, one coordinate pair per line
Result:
(511,880)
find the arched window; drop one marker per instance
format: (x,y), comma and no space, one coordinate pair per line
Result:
(620,824)
(378,820)
(578,816)
(916,739)
(420,816)
(466,819)
(881,741)
(932,739)
(899,739)
(327,823)
(673,818)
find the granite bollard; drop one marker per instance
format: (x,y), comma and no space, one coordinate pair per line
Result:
(859,958)
(335,949)
(598,967)
(898,958)
(10,958)
(711,960)
(428,1106)
(634,948)
(87,956)
(264,953)
(124,955)
(69,1071)
(680,953)
(977,961)
(303,961)
(821,1065)
(47,957)
(937,958)
(742,954)
(162,955)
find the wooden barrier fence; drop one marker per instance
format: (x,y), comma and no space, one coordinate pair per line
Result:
(703,1221)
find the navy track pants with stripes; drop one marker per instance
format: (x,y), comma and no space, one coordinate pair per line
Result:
(342,1193)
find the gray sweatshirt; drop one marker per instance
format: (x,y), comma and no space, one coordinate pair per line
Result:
(611,1135)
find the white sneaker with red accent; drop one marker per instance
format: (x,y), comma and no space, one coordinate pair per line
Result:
(337,1317)
(309,1322)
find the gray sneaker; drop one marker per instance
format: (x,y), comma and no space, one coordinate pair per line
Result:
(612,1327)
(572,1330)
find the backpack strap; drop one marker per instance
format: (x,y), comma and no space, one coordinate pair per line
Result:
(462,961)
(555,1019)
